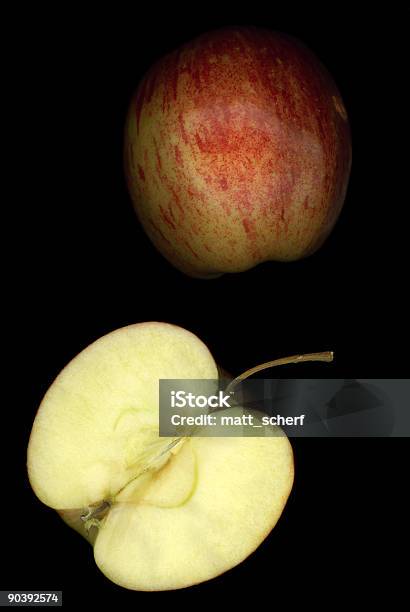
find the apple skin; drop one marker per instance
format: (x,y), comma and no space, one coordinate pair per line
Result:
(237,151)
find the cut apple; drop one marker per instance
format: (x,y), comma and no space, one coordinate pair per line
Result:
(161,514)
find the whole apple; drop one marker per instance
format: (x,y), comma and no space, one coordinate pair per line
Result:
(237,151)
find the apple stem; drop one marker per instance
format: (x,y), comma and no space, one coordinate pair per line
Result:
(326,356)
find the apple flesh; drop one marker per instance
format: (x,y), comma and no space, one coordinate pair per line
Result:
(237,151)
(158,516)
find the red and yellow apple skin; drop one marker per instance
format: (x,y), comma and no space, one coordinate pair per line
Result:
(237,151)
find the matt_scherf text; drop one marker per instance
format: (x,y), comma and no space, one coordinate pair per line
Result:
(244,419)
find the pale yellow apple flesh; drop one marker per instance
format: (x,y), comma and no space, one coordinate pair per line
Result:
(158,518)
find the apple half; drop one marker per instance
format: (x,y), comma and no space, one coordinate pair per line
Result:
(161,514)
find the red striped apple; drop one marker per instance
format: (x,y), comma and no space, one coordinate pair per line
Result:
(237,151)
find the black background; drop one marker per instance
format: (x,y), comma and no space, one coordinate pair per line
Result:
(86,267)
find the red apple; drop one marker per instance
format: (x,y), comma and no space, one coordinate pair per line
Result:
(237,151)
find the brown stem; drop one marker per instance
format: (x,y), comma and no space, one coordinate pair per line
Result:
(325,356)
